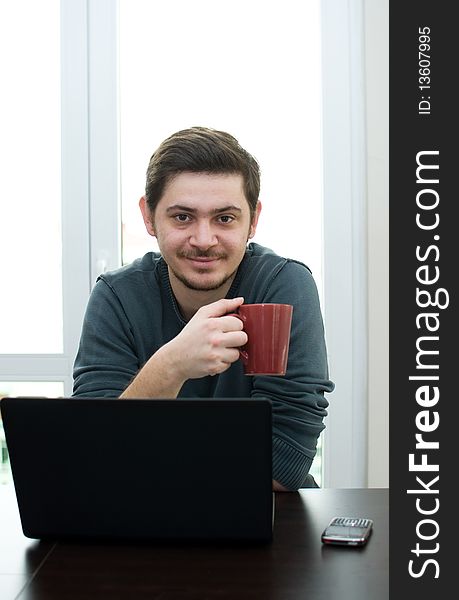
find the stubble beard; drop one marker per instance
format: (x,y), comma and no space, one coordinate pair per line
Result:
(200,286)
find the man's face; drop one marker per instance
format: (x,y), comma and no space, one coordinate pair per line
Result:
(202,224)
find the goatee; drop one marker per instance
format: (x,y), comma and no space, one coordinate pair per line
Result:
(202,286)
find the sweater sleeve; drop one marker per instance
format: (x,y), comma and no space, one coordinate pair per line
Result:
(106,361)
(299,404)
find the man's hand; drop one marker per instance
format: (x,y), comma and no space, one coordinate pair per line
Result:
(207,345)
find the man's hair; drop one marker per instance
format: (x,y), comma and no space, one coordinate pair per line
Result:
(201,150)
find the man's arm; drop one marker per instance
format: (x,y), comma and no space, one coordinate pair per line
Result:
(207,345)
(277,487)
(116,359)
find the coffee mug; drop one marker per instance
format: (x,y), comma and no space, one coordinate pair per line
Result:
(268,330)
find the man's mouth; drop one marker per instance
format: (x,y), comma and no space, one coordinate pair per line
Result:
(201,258)
(203,262)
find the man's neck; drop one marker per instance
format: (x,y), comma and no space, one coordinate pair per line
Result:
(190,301)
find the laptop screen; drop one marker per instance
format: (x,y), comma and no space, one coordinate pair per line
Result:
(165,469)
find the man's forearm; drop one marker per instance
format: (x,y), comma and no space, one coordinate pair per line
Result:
(158,378)
(207,345)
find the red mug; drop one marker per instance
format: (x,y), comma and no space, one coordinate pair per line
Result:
(268,328)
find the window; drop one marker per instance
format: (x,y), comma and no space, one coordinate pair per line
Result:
(43,148)
(30,186)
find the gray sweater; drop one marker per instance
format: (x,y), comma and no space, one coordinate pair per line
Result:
(132,312)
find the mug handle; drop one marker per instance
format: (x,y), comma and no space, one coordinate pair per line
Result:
(242,353)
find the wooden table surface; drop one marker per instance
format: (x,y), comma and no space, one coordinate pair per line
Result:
(294,566)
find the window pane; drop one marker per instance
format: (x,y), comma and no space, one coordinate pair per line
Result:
(30,213)
(51,389)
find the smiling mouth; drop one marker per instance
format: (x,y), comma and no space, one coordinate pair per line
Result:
(202,262)
(201,258)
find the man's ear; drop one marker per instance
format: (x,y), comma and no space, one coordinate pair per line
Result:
(253,225)
(146,214)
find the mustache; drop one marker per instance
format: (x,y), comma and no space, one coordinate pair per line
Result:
(200,254)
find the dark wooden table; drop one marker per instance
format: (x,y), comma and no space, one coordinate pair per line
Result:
(294,566)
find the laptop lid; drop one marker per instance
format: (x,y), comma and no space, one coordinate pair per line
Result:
(141,469)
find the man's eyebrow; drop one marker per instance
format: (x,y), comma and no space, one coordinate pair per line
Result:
(176,207)
(229,208)
(215,211)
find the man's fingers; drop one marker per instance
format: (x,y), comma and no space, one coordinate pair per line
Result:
(235,339)
(229,323)
(221,307)
(230,356)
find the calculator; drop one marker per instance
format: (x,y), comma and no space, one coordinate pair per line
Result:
(347,531)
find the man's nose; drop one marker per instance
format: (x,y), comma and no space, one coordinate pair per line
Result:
(203,235)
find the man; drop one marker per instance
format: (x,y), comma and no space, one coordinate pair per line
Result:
(160,328)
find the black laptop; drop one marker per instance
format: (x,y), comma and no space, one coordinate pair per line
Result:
(188,469)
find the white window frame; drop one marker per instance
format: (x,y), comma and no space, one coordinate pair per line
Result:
(345,245)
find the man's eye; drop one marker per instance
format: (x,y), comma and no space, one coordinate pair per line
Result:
(225,218)
(182,218)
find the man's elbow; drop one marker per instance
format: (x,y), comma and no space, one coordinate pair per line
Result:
(278,487)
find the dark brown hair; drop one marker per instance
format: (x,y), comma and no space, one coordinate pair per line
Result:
(201,150)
